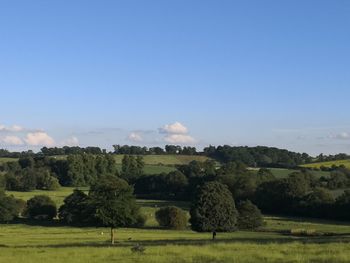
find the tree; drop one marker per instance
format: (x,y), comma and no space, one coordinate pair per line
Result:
(171,217)
(213,209)
(41,207)
(76,209)
(132,168)
(114,202)
(10,207)
(176,183)
(250,216)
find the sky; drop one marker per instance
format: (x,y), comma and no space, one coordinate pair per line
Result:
(188,72)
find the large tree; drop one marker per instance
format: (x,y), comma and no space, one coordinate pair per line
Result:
(114,202)
(213,209)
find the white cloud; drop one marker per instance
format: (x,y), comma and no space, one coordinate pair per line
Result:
(135,137)
(13,128)
(341,136)
(179,138)
(11,140)
(175,128)
(39,139)
(72,141)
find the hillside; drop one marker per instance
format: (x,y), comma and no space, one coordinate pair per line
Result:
(346,163)
(166,159)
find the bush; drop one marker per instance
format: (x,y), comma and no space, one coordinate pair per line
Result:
(213,209)
(250,216)
(172,217)
(41,207)
(76,209)
(140,220)
(10,207)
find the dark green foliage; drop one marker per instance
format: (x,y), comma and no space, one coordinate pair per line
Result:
(264,175)
(338,179)
(213,209)
(77,209)
(132,168)
(10,207)
(66,150)
(257,156)
(29,179)
(172,217)
(114,202)
(41,207)
(342,206)
(85,169)
(250,216)
(163,186)
(26,162)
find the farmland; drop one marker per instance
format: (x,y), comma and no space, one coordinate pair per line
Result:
(329,164)
(20,242)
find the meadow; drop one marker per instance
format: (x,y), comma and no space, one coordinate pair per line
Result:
(346,163)
(32,242)
(283,173)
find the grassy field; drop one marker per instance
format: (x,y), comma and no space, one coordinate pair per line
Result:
(346,163)
(166,159)
(5,160)
(34,243)
(283,173)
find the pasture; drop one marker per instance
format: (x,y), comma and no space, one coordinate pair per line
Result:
(166,159)
(329,164)
(283,173)
(31,242)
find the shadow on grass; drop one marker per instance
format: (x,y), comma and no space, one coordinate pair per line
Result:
(160,203)
(196,242)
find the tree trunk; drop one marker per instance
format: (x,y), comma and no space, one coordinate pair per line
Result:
(112,235)
(214,235)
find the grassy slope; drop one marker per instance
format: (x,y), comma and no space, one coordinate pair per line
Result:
(5,160)
(328,164)
(154,164)
(166,159)
(283,173)
(23,243)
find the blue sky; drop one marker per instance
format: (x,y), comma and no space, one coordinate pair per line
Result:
(272,73)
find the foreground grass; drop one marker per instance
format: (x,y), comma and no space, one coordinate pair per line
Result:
(32,242)
(23,243)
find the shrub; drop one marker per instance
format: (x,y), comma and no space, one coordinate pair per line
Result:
(10,207)
(41,207)
(250,216)
(75,210)
(172,217)
(213,209)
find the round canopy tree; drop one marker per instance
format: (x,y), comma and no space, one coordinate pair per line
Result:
(114,203)
(250,216)
(213,209)
(172,217)
(41,207)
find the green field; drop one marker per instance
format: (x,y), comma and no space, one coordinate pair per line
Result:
(166,159)
(346,163)
(21,242)
(283,173)
(5,160)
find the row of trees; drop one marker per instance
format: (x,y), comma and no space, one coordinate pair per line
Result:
(259,156)
(169,149)
(48,173)
(110,202)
